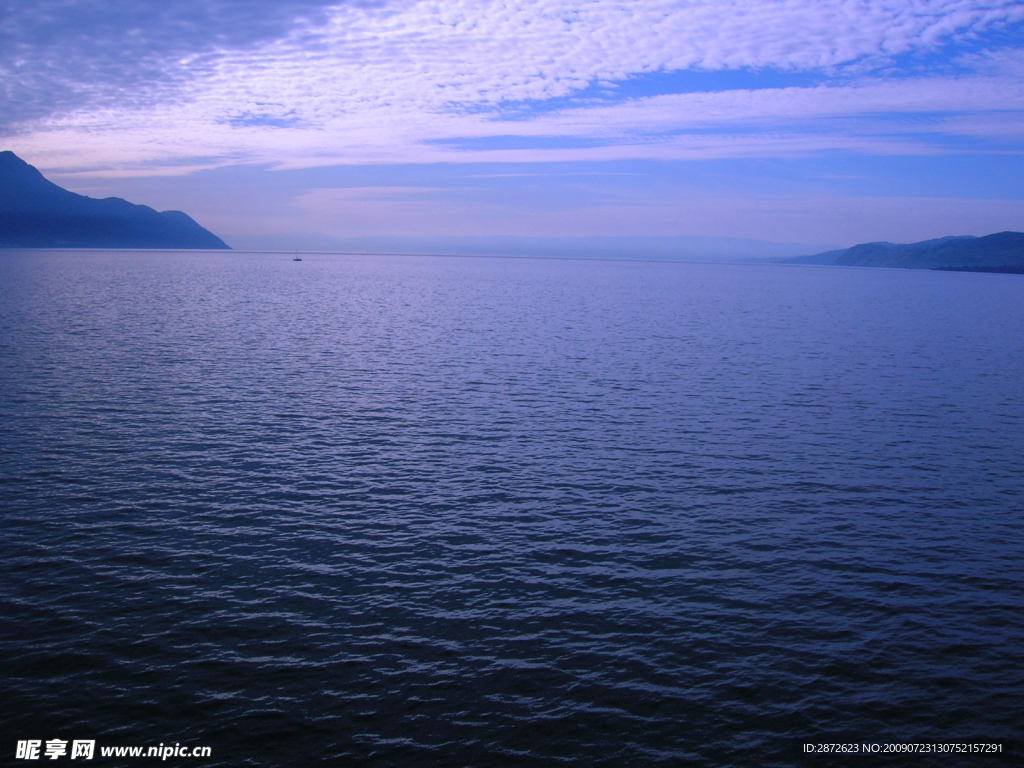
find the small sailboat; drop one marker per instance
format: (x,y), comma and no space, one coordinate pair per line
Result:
(296,257)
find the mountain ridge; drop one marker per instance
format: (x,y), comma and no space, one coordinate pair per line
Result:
(1000,251)
(36,213)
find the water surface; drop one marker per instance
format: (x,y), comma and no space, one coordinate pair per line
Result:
(372,510)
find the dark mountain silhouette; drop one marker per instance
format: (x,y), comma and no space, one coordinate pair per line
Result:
(36,213)
(1001,252)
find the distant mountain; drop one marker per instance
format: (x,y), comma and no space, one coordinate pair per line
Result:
(661,248)
(36,213)
(1001,252)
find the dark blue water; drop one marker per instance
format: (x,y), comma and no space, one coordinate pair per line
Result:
(485,512)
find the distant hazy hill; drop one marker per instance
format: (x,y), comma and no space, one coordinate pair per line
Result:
(1001,252)
(36,213)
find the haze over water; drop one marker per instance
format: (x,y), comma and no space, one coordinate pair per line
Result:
(475,511)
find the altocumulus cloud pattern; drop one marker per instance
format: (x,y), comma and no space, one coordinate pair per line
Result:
(307,83)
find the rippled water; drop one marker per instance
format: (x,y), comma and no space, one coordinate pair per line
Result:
(454,511)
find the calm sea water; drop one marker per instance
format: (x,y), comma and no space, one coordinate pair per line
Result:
(497,512)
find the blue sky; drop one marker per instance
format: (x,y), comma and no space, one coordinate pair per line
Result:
(317,123)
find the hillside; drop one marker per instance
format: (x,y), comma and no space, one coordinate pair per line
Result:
(36,213)
(1001,252)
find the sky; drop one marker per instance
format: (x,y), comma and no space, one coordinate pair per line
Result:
(313,124)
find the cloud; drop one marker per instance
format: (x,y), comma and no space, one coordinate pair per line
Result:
(382,211)
(126,87)
(915,116)
(440,55)
(61,55)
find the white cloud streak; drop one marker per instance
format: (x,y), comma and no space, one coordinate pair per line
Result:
(375,211)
